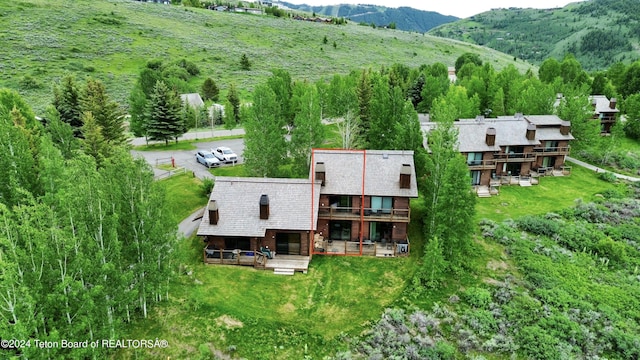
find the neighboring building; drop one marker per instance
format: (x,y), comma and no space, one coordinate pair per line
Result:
(357,204)
(605,110)
(512,149)
(364,201)
(451,70)
(194,100)
(246,215)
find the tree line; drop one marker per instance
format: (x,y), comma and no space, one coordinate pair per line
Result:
(85,236)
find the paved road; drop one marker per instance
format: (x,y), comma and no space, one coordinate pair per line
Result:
(186,158)
(598,169)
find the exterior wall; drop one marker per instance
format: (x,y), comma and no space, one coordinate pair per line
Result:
(324,200)
(270,240)
(323,228)
(485,177)
(399,232)
(400,203)
(355,230)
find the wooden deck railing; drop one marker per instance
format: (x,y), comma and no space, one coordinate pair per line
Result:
(515,157)
(481,164)
(351,213)
(234,257)
(369,248)
(559,150)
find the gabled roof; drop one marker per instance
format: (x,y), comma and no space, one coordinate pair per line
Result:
(239,210)
(192,99)
(510,131)
(602,104)
(344,171)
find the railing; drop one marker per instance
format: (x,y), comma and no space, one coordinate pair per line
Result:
(234,257)
(515,157)
(369,248)
(559,150)
(481,164)
(350,213)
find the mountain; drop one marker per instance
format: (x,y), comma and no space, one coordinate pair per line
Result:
(112,40)
(598,32)
(404,18)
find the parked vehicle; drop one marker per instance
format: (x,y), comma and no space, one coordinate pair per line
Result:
(225,154)
(207,159)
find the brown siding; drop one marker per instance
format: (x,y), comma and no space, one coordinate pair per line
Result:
(399,232)
(355,204)
(365,230)
(324,200)
(485,177)
(355,227)
(401,203)
(323,228)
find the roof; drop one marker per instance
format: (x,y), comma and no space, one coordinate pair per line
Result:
(239,211)
(344,172)
(602,104)
(192,99)
(510,131)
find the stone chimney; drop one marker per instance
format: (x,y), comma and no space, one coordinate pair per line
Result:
(612,103)
(565,127)
(531,132)
(405,176)
(214,215)
(264,207)
(320,172)
(491,136)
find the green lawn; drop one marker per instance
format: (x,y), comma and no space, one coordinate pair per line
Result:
(184,195)
(551,195)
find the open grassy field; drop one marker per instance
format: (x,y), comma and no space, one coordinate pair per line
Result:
(42,40)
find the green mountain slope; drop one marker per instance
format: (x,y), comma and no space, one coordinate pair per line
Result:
(111,40)
(597,32)
(405,18)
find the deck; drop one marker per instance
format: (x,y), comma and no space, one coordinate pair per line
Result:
(369,248)
(256,259)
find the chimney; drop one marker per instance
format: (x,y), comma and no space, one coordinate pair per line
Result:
(264,207)
(594,102)
(531,132)
(405,176)
(565,127)
(320,172)
(612,103)
(214,215)
(491,136)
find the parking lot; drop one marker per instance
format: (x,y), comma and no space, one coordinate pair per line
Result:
(187,158)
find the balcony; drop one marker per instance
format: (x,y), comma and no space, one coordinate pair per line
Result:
(548,151)
(353,213)
(515,157)
(481,164)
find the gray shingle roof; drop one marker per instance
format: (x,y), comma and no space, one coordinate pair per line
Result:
(192,99)
(602,104)
(238,203)
(510,131)
(344,172)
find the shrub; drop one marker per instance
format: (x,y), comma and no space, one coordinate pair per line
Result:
(612,250)
(207,186)
(477,297)
(537,344)
(538,225)
(607,176)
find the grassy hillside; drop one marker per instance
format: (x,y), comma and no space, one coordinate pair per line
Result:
(111,40)
(598,32)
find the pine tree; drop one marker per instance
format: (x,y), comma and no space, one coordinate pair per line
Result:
(245,64)
(164,114)
(66,99)
(364,92)
(210,90)
(234,100)
(106,112)
(94,142)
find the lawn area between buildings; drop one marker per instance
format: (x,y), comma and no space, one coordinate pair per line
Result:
(256,315)
(550,195)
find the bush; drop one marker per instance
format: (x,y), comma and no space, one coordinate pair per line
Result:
(607,176)
(538,225)
(614,251)
(477,297)
(207,186)
(537,344)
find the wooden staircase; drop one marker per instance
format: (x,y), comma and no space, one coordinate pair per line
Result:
(280,271)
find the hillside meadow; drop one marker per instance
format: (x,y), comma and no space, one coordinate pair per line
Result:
(43,40)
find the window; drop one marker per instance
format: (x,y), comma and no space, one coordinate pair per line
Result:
(551,145)
(342,203)
(241,243)
(474,159)
(340,230)
(381,204)
(475,177)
